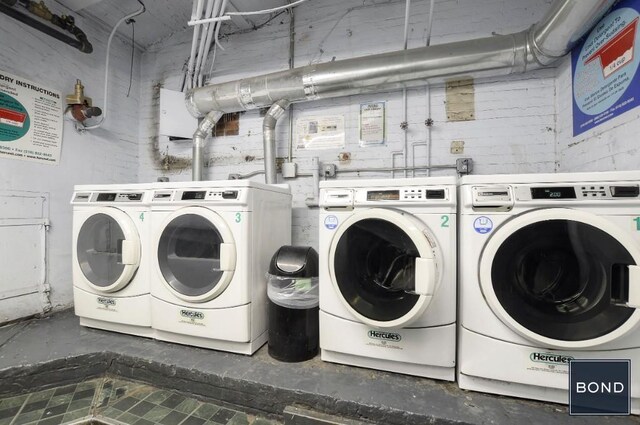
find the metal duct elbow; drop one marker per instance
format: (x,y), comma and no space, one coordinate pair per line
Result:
(199,138)
(563,25)
(276,111)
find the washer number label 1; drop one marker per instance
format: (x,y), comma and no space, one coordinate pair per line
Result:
(445,221)
(637,220)
(238,217)
(141,217)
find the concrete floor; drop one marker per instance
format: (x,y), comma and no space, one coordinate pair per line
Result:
(55,350)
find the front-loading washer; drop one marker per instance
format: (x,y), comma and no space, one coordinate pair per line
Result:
(212,243)
(548,267)
(388,274)
(110,257)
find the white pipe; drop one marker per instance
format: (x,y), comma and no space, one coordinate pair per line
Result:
(428,93)
(207,13)
(407,10)
(430,22)
(207,42)
(106,68)
(217,26)
(263,12)
(197,12)
(216,37)
(405,129)
(208,20)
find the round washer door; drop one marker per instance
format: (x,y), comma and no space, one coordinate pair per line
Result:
(383,267)
(108,249)
(196,254)
(561,278)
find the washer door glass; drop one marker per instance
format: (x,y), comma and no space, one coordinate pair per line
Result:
(189,255)
(563,279)
(99,250)
(375,267)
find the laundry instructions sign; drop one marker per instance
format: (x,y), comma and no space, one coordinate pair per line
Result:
(31,120)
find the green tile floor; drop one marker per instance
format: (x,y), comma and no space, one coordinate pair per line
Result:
(116,401)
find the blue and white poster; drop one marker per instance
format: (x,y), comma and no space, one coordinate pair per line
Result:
(605,68)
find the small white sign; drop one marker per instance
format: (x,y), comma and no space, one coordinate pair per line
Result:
(320,132)
(372,124)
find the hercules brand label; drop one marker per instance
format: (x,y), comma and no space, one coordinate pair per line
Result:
(550,358)
(192,317)
(384,339)
(385,336)
(549,362)
(106,303)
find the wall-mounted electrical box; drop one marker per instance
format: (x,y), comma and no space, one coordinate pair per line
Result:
(175,120)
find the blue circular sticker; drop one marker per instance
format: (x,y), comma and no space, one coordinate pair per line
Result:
(483,225)
(331,222)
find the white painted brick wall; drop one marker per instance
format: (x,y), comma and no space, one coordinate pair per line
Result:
(107,155)
(610,146)
(514,130)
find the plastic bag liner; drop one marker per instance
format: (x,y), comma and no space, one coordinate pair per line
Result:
(293,292)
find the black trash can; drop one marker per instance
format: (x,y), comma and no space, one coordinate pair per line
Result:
(293,304)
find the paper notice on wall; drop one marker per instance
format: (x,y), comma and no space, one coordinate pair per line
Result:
(30,120)
(320,132)
(372,124)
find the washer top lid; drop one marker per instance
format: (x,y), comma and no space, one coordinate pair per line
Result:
(607,176)
(373,183)
(222,184)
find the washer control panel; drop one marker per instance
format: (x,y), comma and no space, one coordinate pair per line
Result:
(406,194)
(195,195)
(578,192)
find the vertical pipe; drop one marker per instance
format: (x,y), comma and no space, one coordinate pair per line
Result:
(276,111)
(199,137)
(292,39)
(405,124)
(428,121)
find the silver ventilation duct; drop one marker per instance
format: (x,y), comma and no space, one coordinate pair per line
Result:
(544,43)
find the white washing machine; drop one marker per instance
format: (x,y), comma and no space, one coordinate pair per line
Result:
(548,272)
(388,275)
(212,243)
(110,257)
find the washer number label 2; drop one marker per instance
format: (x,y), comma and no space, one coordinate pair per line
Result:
(238,217)
(141,217)
(445,221)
